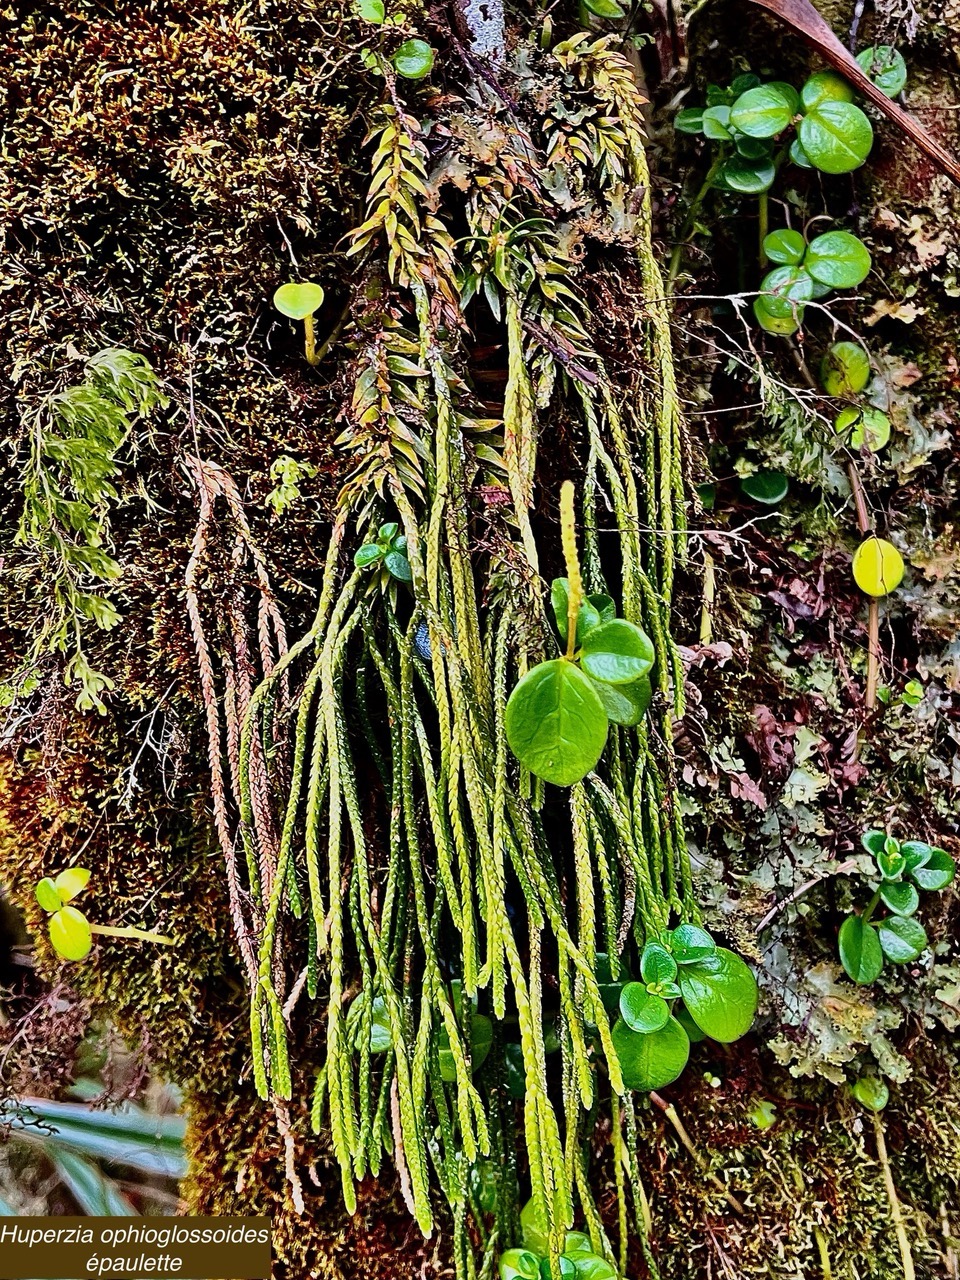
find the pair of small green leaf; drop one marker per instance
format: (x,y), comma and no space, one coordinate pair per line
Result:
(720,1000)
(834,260)
(558,716)
(389,552)
(863,945)
(69,930)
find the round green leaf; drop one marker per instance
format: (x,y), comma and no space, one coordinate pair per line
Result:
(380,1038)
(689,943)
(641,1010)
(753,148)
(749,177)
(590,1266)
(367,555)
(387,532)
(689,120)
(902,938)
(657,964)
(617,652)
(555,722)
(747,80)
(785,290)
(798,155)
(885,66)
(71,882)
(716,124)
(653,1060)
(838,259)
(534,1229)
(916,853)
(860,951)
(46,894)
(608,9)
(577,1242)
(866,426)
(937,872)
(413,60)
(398,566)
(836,136)
(900,897)
(789,93)
(298,300)
(519,1264)
(604,606)
(371,11)
(871,1092)
(782,325)
(845,369)
(70,934)
(625,703)
(873,841)
(785,246)
(721,994)
(768,487)
(825,86)
(763,111)
(891,863)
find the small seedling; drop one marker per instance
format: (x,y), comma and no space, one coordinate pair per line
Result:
(903,870)
(388,554)
(70,931)
(301,302)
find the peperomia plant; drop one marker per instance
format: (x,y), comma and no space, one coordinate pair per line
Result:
(805,272)
(388,554)
(301,301)
(653,1033)
(903,870)
(69,929)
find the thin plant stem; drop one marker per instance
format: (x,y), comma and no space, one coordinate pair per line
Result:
(689,220)
(896,1209)
(129,932)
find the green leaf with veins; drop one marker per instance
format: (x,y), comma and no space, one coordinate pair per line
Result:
(555,722)
(902,938)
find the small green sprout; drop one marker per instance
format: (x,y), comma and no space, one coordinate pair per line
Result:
(301,302)
(70,931)
(389,552)
(903,869)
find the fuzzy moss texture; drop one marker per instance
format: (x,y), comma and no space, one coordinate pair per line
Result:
(167,165)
